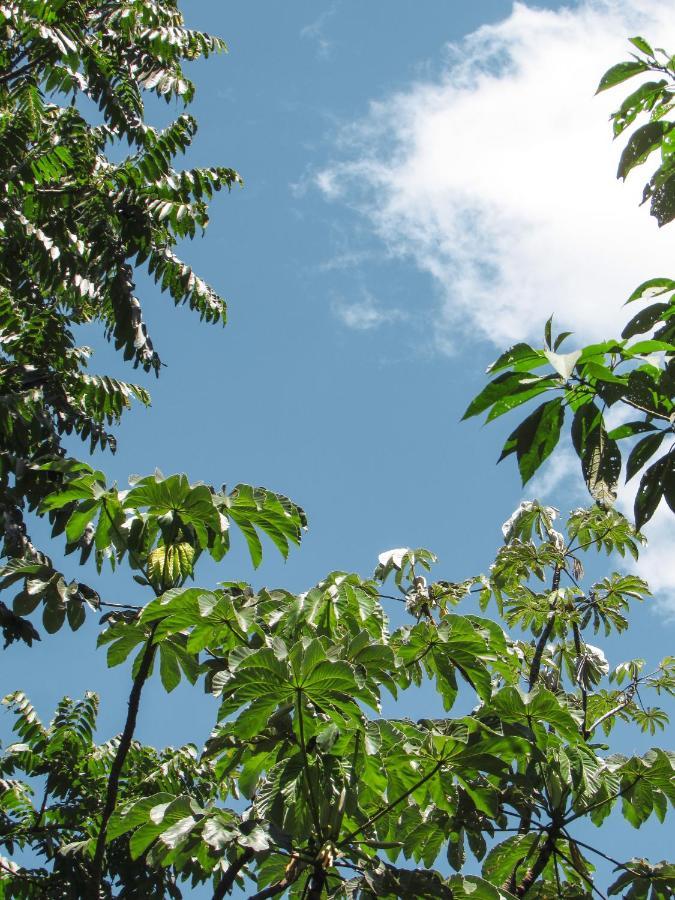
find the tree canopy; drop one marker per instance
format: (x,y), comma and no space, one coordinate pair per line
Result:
(304,788)
(79,216)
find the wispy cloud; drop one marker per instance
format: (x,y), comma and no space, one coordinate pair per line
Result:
(365,313)
(497,178)
(316,32)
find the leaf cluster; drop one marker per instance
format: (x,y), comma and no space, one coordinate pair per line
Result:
(78,217)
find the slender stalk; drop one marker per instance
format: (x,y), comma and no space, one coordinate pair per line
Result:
(585,877)
(610,859)
(119,760)
(378,815)
(580,681)
(305,760)
(592,806)
(608,715)
(546,633)
(226,883)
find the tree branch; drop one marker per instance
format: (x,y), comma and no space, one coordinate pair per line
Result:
(546,633)
(540,864)
(119,760)
(316,882)
(226,883)
(585,733)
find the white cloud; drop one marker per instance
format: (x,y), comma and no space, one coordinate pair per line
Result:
(561,472)
(366,313)
(497,178)
(316,31)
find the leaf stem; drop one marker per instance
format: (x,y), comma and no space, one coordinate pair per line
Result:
(610,859)
(378,815)
(592,806)
(589,881)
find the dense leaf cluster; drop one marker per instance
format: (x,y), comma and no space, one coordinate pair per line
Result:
(327,796)
(78,216)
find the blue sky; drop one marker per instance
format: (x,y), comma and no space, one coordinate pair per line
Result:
(408,209)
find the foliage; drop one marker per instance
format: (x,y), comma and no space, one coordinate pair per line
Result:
(636,372)
(328,797)
(78,216)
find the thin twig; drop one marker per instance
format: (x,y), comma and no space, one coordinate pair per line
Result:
(610,859)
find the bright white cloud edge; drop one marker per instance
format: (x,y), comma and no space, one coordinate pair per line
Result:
(498,178)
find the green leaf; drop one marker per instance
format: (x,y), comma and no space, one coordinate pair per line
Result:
(642,451)
(124,639)
(175,835)
(138,814)
(169,669)
(652,288)
(510,856)
(629,429)
(599,454)
(520,357)
(536,437)
(508,384)
(641,144)
(642,45)
(471,887)
(621,72)
(652,486)
(645,320)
